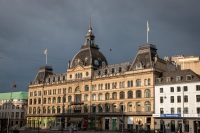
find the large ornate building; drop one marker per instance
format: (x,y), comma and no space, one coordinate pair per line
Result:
(95,95)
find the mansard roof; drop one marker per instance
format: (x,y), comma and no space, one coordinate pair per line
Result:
(178,76)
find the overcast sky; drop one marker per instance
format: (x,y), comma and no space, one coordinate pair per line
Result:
(28,27)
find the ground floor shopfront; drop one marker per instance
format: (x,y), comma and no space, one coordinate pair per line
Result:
(93,122)
(174,125)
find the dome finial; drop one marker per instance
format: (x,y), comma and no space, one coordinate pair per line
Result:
(90,25)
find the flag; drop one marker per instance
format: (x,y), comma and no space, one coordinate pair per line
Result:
(45,52)
(148,26)
(14,85)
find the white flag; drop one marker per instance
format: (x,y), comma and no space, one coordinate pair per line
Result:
(148,26)
(45,52)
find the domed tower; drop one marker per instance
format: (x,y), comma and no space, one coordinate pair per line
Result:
(89,55)
(88,59)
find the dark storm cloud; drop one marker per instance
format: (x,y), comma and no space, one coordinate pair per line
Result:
(28,27)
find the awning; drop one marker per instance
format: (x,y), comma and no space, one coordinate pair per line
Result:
(75,120)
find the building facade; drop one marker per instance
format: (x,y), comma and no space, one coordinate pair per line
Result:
(177,102)
(94,95)
(186,62)
(13,106)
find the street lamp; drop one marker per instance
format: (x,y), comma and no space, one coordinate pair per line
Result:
(14,85)
(63,109)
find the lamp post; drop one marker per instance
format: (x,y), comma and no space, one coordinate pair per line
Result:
(197,125)
(9,105)
(63,109)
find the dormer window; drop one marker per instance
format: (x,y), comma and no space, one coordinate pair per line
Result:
(158,80)
(168,79)
(178,78)
(188,77)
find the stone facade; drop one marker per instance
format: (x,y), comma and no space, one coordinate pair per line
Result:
(94,95)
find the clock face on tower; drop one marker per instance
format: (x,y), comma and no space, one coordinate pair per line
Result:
(96,62)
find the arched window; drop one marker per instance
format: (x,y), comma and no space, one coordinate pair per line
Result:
(39,100)
(34,110)
(147,93)
(129,107)
(44,110)
(121,95)
(138,94)
(45,101)
(85,108)
(147,106)
(30,110)
(30,101)
(35,101)
(149,81)
(107,107)
(59,100)
(100,108)
(130,83)
(93,97)
(77,89)
(54,100)
(49,100)
(107,96)
(86,88)
(122,107)
(69,98)
(69,110)
(48,110)
(53,110)
(100,96)
(38,110)
(145,81)
(114,95)
(130,94)
(138,107)
(86,97)
(64,98)
(93,108)
(138,82)
(58,109)
(114,107)
(70,90)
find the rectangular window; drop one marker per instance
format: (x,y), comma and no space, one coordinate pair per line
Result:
(161,90)
(172,111)
(188,77)
(172,89)
(197,98)
(178,99)
(186,110)
(198,110)
(161,99)
(185,98)
(158,80)
(172,99)
(178,78)
(197,87)
(178,89)
(178,110)
(161,111)
(185,88)
(168,79)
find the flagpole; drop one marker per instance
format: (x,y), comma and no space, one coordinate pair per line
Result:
(147,31)
(46,58)
(147,35)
